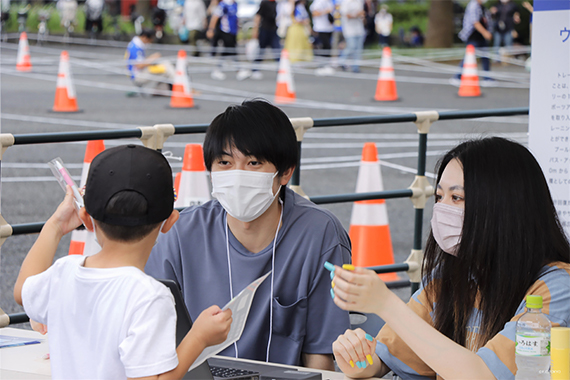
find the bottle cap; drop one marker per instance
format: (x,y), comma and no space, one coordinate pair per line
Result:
(534,302)
(560,338)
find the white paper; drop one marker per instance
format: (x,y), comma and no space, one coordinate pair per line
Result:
(549,121)
(239,306)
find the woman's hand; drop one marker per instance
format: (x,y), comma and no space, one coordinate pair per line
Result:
(359,290)
(354,350)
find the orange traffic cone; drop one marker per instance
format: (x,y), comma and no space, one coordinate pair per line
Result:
(181,90)
(369,230)
(177,178)
(83,241)
(65,99)
(23,62)
(469,79)
(285,91)
(386,85)
(193,188)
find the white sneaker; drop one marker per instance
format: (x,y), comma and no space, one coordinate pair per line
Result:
(218,75)
(324,71)
(243,74)
(257,75)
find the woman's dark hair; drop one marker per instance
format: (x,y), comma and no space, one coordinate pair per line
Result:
(510,231)
(256,128)
(125,203)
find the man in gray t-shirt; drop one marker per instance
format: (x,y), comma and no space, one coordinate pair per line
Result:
(254,225)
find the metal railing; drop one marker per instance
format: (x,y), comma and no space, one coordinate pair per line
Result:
(154,137)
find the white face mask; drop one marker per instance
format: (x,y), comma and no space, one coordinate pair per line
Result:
(446,225)
(244,194)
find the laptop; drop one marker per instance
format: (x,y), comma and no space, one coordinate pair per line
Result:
(217,368)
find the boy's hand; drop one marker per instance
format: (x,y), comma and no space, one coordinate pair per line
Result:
(212,325)
(65,219)
(39,327)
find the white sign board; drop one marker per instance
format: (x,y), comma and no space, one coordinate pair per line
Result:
(549,122)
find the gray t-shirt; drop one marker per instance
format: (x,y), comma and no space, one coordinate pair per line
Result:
(305,319)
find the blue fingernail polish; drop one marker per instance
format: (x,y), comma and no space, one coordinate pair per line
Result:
(329,266)
(364,365)
(369,337)
(332,274)
(358,364)
(332,294)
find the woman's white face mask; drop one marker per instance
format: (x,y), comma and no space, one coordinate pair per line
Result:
(446,225)
(448,211)
(244,194)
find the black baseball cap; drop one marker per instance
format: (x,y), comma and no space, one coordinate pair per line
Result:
(133,168)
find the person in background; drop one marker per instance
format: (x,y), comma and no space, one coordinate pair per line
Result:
(322,12)
(195,22)
(416,37)
(352,12)
(383,25)
(255,225)
(265,31)
(476,31)
(370,7)
(505,15)
(94,17)
(223,27)
(488,248)
(297,39)
(106,318)
(337,38)
(145,70)
(284,16)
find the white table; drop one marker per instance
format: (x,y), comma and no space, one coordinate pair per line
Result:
(25,362)
(29,362)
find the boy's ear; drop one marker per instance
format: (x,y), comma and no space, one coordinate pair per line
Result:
(286,176)
(170,221)
(86,219)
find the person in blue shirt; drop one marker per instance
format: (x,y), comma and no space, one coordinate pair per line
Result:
(255,225)
(224,27)
(145,70)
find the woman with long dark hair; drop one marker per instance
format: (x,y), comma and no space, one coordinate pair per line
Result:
(495,238)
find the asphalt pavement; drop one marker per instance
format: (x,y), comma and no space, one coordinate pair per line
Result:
(330,155)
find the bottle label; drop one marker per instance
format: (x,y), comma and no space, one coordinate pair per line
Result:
(533,345)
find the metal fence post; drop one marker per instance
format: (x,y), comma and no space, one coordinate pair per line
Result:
(422,190)
(301,125)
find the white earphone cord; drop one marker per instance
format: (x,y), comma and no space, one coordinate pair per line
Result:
(272,278)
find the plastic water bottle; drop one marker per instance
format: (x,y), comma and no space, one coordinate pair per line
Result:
(532,350)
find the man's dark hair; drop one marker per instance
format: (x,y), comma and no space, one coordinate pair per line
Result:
(127,203)
(256,128)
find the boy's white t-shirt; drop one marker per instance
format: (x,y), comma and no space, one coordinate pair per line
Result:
(103,323)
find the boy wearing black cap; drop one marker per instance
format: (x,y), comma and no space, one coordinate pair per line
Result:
(107,319)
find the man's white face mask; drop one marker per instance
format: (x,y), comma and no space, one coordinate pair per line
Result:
(244,194)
